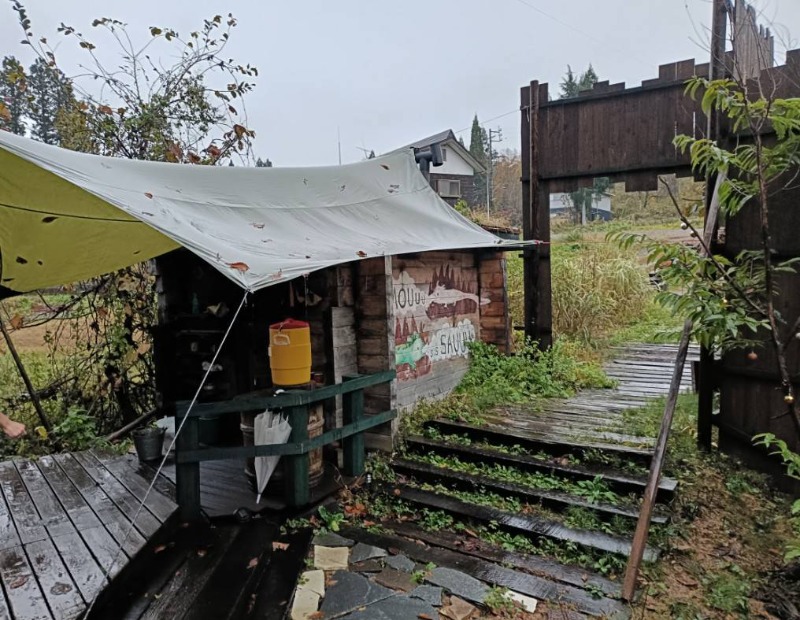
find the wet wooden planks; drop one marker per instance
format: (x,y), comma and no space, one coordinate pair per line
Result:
(63,520)
(224,488)
(593,418)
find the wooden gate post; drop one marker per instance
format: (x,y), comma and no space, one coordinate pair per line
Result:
(535,224)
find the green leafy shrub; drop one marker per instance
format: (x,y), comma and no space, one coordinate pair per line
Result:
(77,430)
(495,379)
(792,462)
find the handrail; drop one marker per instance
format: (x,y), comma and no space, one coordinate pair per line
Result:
(285,449)
(291,398)
(296,405)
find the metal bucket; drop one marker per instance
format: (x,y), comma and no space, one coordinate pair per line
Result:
(149,443)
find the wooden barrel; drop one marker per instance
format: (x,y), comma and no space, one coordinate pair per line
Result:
(316,426)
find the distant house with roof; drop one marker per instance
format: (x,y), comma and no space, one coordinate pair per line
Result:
(455,178)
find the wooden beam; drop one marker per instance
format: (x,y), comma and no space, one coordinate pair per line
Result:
(187,474)
(535,209)
(297,491)
(353,446)
(656,465)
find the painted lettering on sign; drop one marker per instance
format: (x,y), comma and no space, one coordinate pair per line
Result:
(451,341)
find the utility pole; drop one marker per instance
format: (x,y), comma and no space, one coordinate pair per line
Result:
(494,135)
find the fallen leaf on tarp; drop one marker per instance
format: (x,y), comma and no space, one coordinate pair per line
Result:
(148,194)
(159,548)
(239,266)
(257,225)
(384,166)
(252,563)
(18,582)
(361,253)
(279,546)
(16,321)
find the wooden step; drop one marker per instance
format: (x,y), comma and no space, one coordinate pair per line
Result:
(618,481)
(537,587)
(229,588)
(526,525)
(550,498)
(551,443)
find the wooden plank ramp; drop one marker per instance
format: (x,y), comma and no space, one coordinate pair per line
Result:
(560,474)
(63,519)
(590,419)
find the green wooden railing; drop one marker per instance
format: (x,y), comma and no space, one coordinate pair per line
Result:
(295,403)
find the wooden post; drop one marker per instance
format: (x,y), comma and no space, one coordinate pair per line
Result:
(353,446)
(37,404)
(535,223)
(187,475)
(297,492)
(656,464)
(706,379)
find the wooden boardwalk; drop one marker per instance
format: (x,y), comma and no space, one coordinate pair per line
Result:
(593,418)
(62,520)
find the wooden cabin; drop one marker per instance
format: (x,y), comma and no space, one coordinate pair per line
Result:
(413,313)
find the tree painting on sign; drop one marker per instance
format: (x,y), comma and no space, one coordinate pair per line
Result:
(436,311)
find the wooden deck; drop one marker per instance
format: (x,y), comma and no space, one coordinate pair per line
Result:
(224,488)
(62,520)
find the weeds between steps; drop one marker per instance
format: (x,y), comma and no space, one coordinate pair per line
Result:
(595,490)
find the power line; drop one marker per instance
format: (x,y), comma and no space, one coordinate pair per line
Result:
(605,44)
(494,118)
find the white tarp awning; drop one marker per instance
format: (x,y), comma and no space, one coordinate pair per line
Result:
(66,216)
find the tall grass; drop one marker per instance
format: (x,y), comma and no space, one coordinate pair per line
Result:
(597,288)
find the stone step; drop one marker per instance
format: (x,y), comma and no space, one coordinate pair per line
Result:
(456,571)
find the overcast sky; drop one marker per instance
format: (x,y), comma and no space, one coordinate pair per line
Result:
(389,72)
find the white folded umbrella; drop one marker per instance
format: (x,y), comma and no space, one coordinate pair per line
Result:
(270,428)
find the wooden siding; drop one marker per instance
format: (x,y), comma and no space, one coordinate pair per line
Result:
(495,316)
(467,188)
(436,307)
(374,339)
